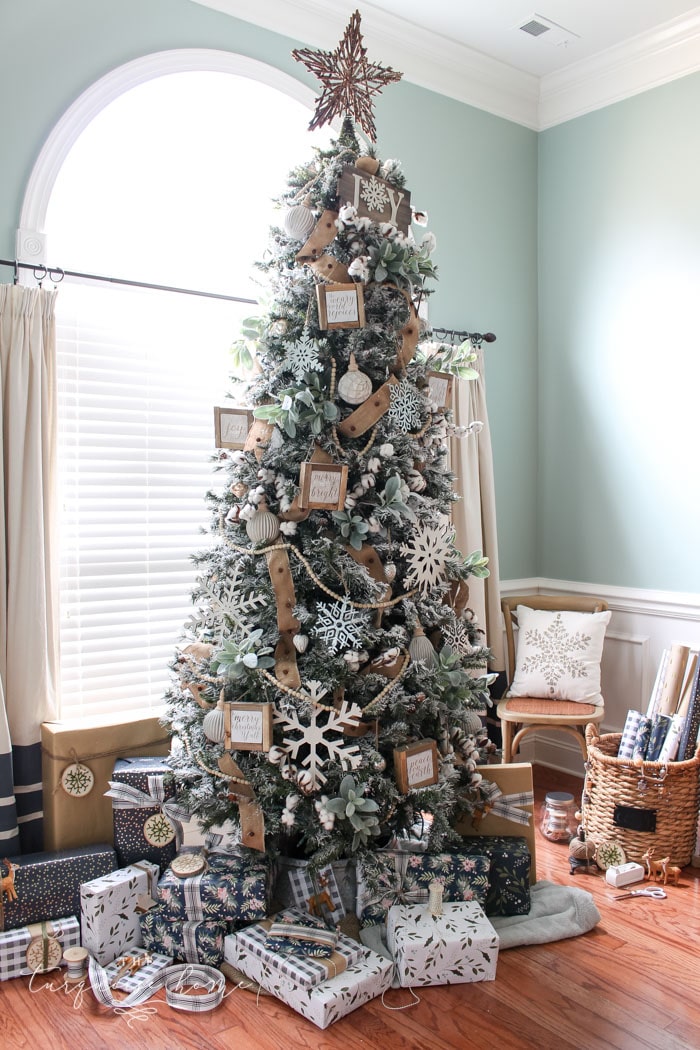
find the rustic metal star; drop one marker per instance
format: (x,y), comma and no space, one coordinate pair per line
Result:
(349,81)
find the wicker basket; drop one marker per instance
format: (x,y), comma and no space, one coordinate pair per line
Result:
(669,797)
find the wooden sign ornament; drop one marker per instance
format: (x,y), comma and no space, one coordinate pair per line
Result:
(416,765)
(340,306)
(232,426)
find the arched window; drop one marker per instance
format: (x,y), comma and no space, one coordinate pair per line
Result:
(164,173)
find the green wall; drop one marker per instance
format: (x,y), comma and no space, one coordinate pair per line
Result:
(475,174)
(619,369)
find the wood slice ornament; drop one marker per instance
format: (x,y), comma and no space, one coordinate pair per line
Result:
(188,865)
(354,386)
(158,830)
(77,780)
(44,953)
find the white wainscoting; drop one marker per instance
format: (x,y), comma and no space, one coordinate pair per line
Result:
(643,624)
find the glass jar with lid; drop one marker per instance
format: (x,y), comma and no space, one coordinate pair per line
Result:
(557,817)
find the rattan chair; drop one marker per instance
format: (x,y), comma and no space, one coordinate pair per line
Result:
(519,715)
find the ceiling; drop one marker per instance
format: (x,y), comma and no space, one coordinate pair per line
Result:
(493,26)
(591,54)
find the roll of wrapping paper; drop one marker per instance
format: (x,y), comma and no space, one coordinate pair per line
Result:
(653,705)
(660,725)
(629,734)
(673,680)
(669,751)
(642,741)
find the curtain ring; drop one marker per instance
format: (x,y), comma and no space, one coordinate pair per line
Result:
(56,275)
(39,277)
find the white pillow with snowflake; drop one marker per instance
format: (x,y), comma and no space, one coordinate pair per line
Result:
(558,655)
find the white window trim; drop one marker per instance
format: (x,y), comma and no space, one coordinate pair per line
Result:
(31,246)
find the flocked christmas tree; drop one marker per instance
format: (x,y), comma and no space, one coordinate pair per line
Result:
(325,693)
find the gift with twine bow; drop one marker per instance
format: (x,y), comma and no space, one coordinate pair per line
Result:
(147,819)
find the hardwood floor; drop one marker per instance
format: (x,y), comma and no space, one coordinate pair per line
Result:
(633,981)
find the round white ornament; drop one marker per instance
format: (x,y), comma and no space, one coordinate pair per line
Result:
(158,831)
(187,865)
(44,954)
(355,386)
(299,222)
(77,780)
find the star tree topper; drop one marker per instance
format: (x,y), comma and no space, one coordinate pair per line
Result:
(349,81)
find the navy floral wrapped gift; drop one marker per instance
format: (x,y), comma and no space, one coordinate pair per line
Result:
(147,819)
(48,884)
(394,877)
(509,872)
(192,942)
(234,888)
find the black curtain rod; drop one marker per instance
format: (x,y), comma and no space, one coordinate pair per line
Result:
(55,274)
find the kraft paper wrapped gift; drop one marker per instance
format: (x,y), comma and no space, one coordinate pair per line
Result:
(304,968)
(14,944)
(193,942)
(48,884)
(84,816)
(509,872)
(369,977)
(459,946)
(134,978)
(147,819)
(513,781)
(232,889)
(405,877)
(109,919)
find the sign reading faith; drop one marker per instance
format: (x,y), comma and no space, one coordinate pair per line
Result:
(374,198)
(248,727)
(322,486)
(340,306)
(231,426)
(416,765)
(440,389)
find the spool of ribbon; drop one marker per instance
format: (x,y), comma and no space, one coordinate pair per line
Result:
(125,796)
(509,807)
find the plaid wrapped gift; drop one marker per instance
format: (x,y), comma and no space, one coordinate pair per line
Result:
(109,920)
(509,872)
(193,942)
(305,970)
(232,889)
(48,884)
(133,977)
(456,947)
(147,819)
(331,894)
(327,1002)
(14,944)
(404,878)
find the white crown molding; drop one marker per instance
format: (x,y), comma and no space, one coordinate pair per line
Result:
(431,61)
(678,605)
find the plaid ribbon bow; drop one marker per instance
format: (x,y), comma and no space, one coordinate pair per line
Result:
(124,796)
(404,890)
(508,806)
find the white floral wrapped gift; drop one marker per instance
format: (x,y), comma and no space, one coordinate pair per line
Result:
(108,906)
(456,947)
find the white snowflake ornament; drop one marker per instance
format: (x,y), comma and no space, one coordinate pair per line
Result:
(406,406)
(339,625)
(322,741)
(374,195)
(303,355)
(428,553)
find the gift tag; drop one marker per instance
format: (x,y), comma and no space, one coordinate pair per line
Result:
(44,954)
(187,865)
(158,831)
(77,780)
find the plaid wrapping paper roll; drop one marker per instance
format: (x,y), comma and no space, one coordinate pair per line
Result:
(305,971)
(509,872)
(629,734)
(193,942)
(48,884)
(147,819)
(404,878)
(232,889)
(14,944)
(109,921)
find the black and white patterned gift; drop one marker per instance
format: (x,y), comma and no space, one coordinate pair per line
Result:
(108,910)
(14,944)
(147,818)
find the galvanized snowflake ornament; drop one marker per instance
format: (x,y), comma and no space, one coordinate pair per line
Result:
(339,625)
(406,406)
(322,741)
(429,552)
(303,355)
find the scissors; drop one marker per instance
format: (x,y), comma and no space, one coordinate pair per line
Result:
(658,894)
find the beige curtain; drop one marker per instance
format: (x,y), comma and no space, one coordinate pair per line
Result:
(28,586)
(474,517)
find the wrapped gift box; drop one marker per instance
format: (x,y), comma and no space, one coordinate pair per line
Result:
(331,894)
(147,819)
(48,884)
(514,780)
(328,1002)
(109,920)
(193,942)
(132,977)
(509,873)
(232,889)
(14,944)
(76,812)
(459,946)
(405,878)
(305,970)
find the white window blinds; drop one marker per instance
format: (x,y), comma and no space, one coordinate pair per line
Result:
(139,373)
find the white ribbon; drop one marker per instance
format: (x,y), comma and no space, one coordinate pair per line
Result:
(175,979)
(124,796)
